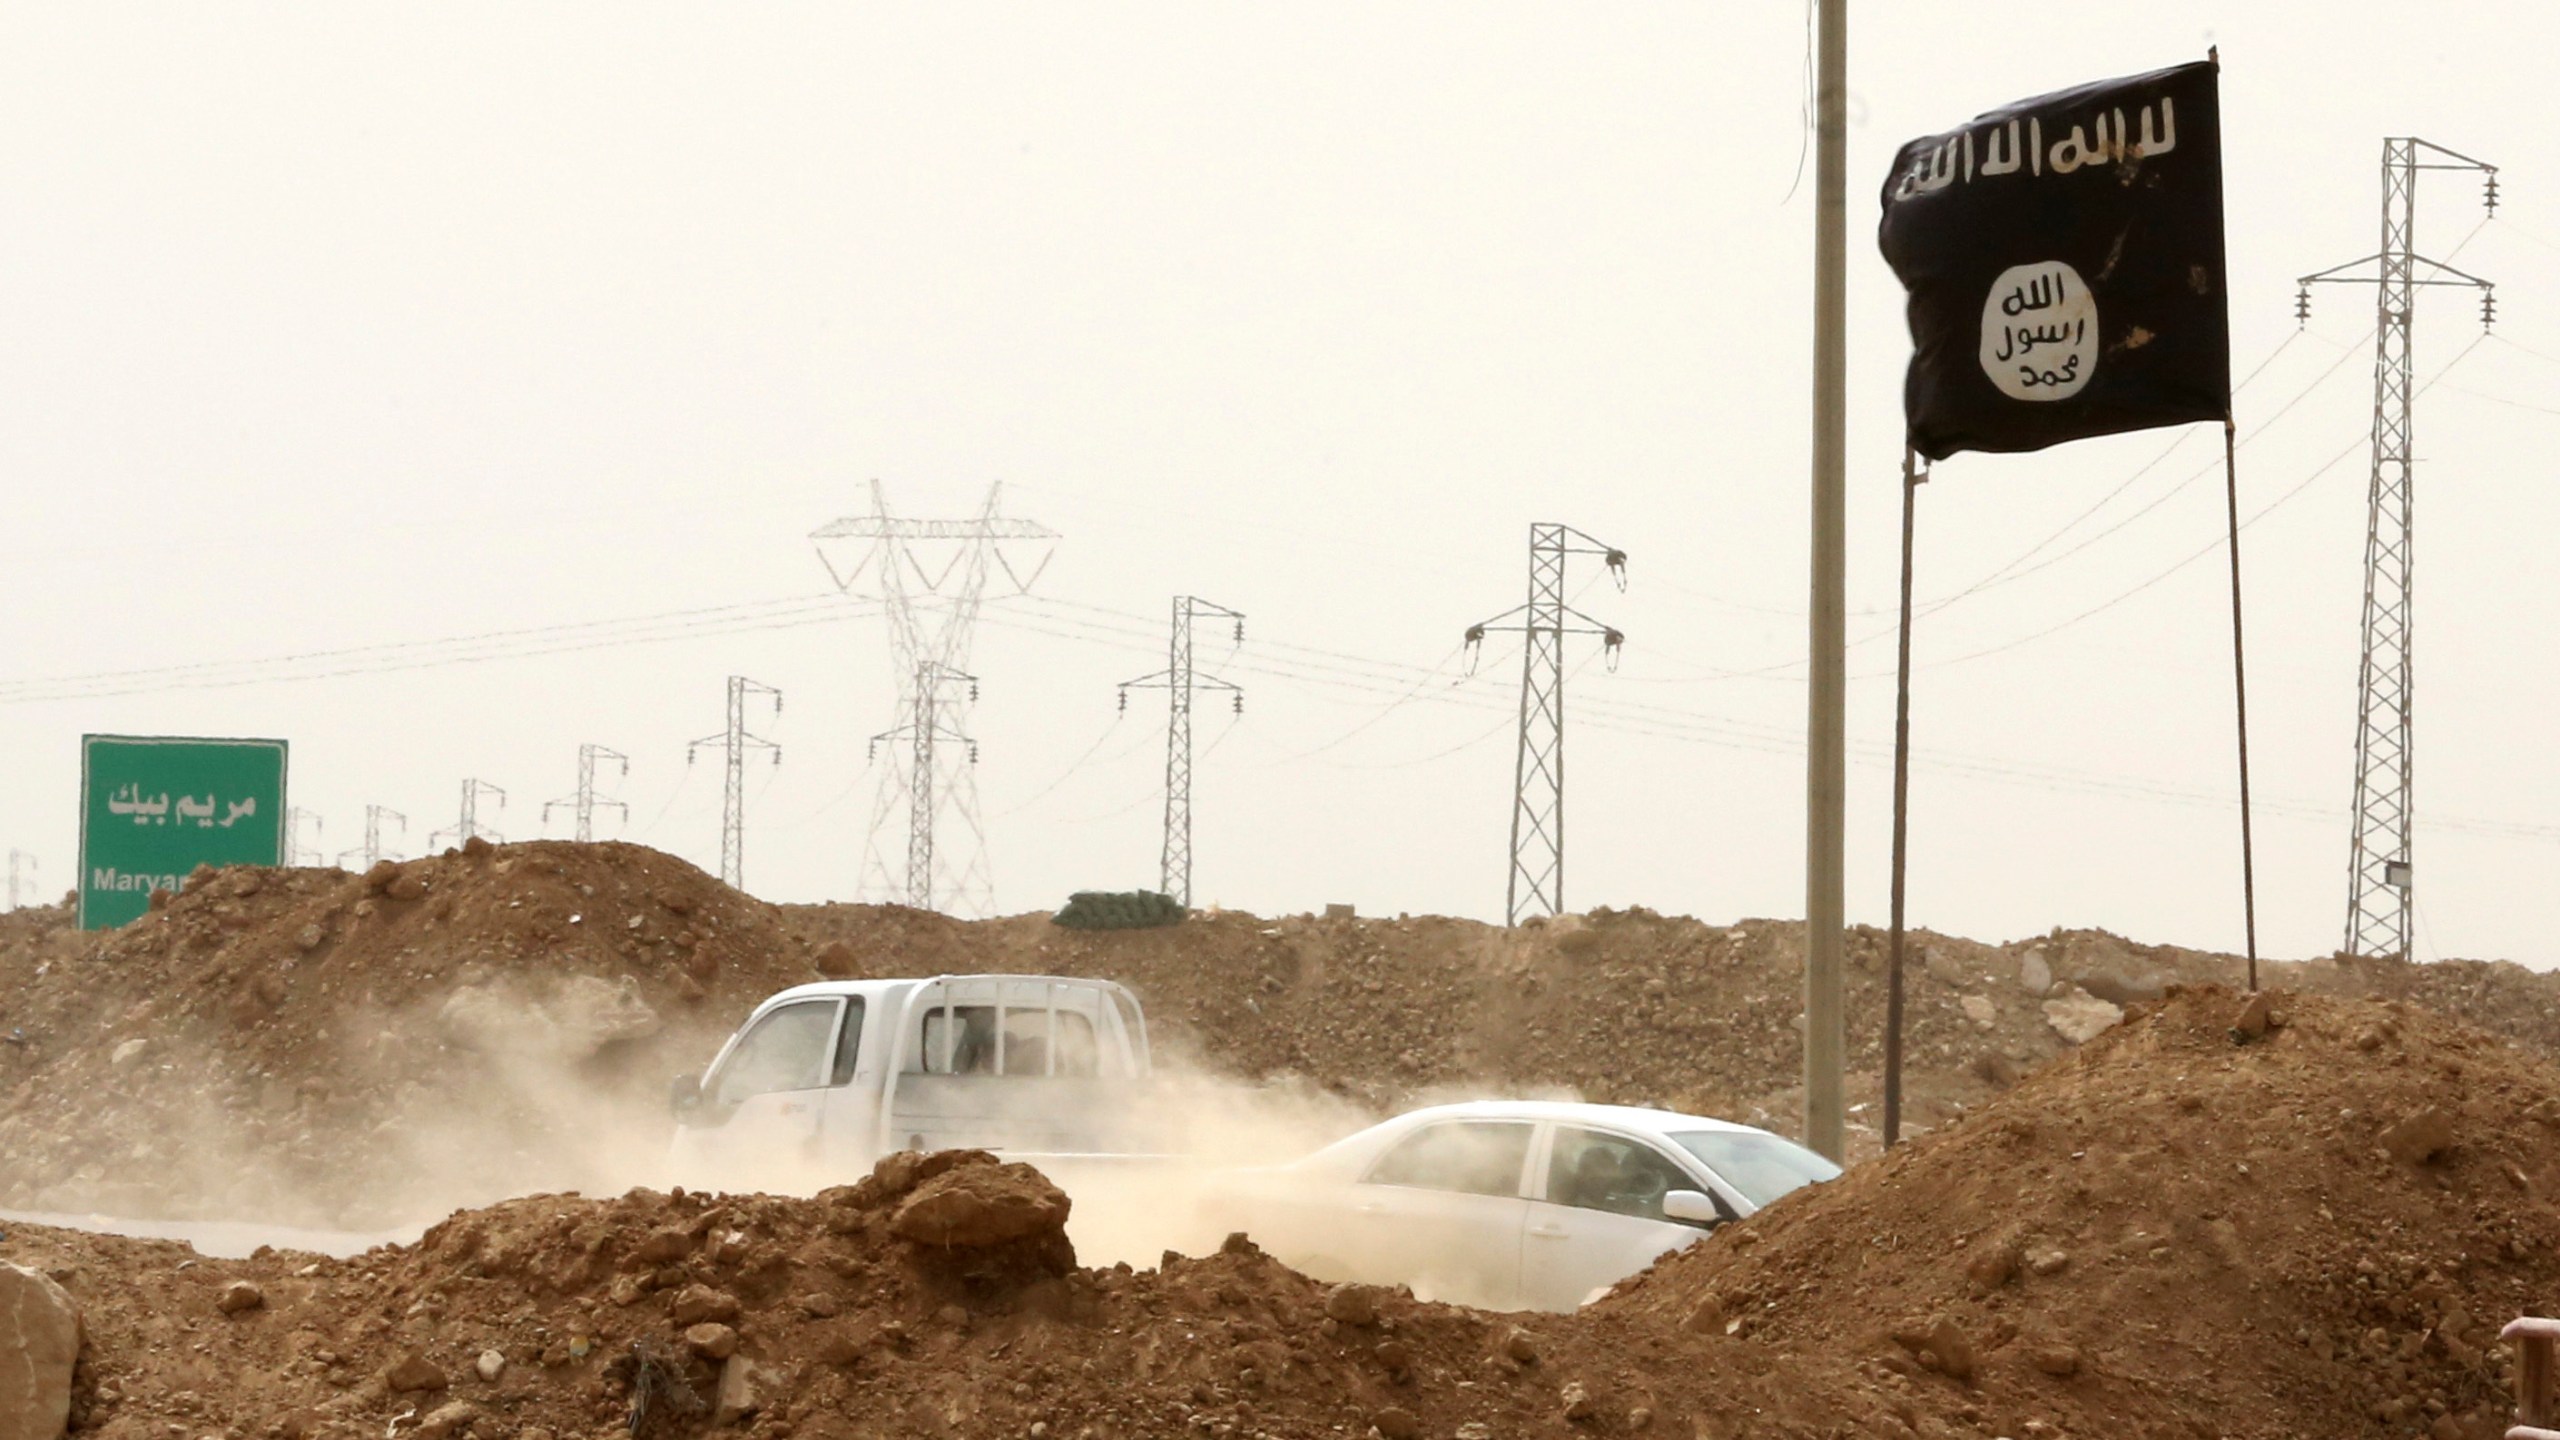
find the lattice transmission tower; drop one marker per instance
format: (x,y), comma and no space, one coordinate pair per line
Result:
(467,826)
(935,714)
(584,803)
(1536,884)
(735,741)
(931,576)
(295,852)
(371,851)
(1181,681)
(2380,878)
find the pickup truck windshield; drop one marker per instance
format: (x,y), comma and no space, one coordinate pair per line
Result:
(1762,1167)
(787,1050)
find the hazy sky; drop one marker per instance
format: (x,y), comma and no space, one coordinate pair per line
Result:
(328,327)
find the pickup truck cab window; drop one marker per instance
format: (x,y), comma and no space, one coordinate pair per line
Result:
(1593,1170)
(1034,1046)
(848,1043)
(787,1050)
(972,1040)
(1468,1157)
(959,1040)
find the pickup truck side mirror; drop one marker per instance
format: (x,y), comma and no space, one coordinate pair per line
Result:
(1693,1207)
(684,1096)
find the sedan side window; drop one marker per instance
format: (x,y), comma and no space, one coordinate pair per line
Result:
(1470,1157)
(786,1051)
(1593,1171)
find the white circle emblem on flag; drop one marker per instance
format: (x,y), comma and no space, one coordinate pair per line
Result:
(2039,332)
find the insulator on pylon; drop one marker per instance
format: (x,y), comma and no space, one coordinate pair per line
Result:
(2493,192)
(2488,308)
(2302,307)
(973,692)
(973,752)
(1124,699)
(1239,704)
(1617,560)
(1611,642)
(1239,632)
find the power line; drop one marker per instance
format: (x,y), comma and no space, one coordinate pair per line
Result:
(453,650)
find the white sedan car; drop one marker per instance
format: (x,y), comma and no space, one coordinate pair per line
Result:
(1512,1204)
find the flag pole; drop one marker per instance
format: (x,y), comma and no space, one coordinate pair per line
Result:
(1901,820)
(2240,689)
(1826,701)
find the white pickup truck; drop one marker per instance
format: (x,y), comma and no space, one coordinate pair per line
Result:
(822,1080)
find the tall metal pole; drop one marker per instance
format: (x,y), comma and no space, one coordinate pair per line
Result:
(2240,696)
(1826,727)
(2379,874)
(1901,818)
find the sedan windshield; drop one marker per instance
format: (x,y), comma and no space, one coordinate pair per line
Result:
(1762,1167)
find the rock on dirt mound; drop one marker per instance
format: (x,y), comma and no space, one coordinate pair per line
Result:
(323,1048)
(2310,1219)
(674,1315)
(39,1348)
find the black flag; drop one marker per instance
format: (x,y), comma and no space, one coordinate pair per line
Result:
(2064,261)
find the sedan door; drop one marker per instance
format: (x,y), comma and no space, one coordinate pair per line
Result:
(1598,1216)
(1442,1210)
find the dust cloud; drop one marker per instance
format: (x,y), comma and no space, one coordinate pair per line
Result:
(541,1087)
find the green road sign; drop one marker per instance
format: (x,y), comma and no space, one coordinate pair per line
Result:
(153,808)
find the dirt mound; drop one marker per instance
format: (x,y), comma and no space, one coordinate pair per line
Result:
(667,1316)
(2186,1227)
(317,1047)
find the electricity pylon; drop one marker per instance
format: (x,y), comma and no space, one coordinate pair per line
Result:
(735,742)
(20,861)
(1179,679)
(1537,786)
(294,851)
(371,851)
(584,804)
(930,576)
(2380,880)
(932,719)
(467,825)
